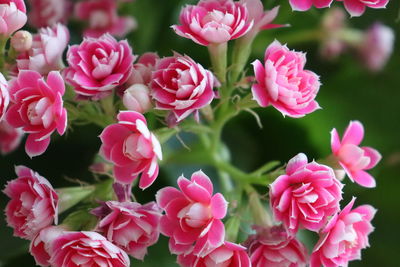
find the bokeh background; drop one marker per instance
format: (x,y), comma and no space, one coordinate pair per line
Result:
(349,92)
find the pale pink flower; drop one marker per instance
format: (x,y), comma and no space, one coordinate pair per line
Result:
(33,204)
(142,70)
(357,7)
(353,158)
(132,148)
(21,41)
(137,98)
(97,66)
(129,225)
(12,16)
(344,236)
(45,13)
(227,255)
(283,83)
(40,245)
(47,50)
(303,5)
(214,21)
(271,246)
(10,137)
(305,196)
(333,23)
(103,18)
(181,85)
(86,249)
(38,108)
(4,96)
(193,215)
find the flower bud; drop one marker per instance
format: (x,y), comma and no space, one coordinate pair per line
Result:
(137,98)
(21,41)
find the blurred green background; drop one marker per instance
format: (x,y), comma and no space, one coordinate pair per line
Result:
(349,92)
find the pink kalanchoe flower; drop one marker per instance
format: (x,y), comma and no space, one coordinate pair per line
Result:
(12,16)
(344,236)
(283,83)
(97,66)
(227,255)
(10,137)
(181,85)
(129,225)
(40,245)
(193,215)
(214,21)
(45,13)
(137,98)
(357,7)
(272,247)
(86,249)
(303,5)
(132,148)
(103,18)
(305,196)
(47,50)
(37,108)
(353,158)
(4,96)
(21,41)
(141,73)
(33,204)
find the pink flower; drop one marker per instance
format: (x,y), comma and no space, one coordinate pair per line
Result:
(45,13)
(181,85)
(283,83)
(10,137)
(47,50)
(132,148)
(103,18)
(214,21)
(344,236)
(227,255)
(303,5)
(137,98)
(40,245)
(33,204)
(333,23)
(12,16)
(86,249)
(353,158)
(97,66)
(357,7)
(21,41)
(305,196)
(4,96)
(129,225)
(273,247)
(193,215)
(142,70)
(37,108)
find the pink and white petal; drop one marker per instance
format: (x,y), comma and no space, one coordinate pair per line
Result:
(195,192)
(35,148)
(335,141)
(125,174)
(219,206)
(202,179)
(13,117)
(114,133)
(300,5)
(373,155)
(216,235)
(62,122)
(56,82)
(296,162)
(367,211)
(165,195)
(148,176)
(364,179)
(354,7)
(130,116)
(354,133)
(322,3)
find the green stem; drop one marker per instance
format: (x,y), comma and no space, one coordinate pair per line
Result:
(260,215)
(240,56)
(218,56)
(3,42)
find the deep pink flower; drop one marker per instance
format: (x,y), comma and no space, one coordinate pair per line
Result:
(181,85)
(40,245)
(357,7)
(129,225)
(227,255)
(132,148)
(10,137)
(33,204)
(4,96)
(142,70)
(272,247)
(37,108)
(103,18)
(45,13)
(97,66)
(305,196)
(47,50)
(12,16)
(283,83)
(193,215)
(353,158)
(213,21)
(344,236)
(303,5)
(86,249)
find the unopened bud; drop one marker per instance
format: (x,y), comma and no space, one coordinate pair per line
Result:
(21,41)
(137,98)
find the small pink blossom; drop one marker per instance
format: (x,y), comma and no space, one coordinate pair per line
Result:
(193,215)
(272,247)
(283,83)
(129,225)
(304,5)
(40,245)
(4,96)
(353,158)
(12,16)
(132,148)
(86,249)
(33,204)
(214,21)
(103,18)
(137,98)
(357,7)
(38,108)
(227,255)
(98,65)
(333,23)
(305,196)
(141,73)
(10,137)
(21,41)
(344,236)
(46,13)
(181,85)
